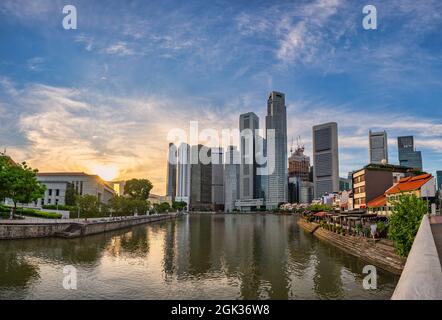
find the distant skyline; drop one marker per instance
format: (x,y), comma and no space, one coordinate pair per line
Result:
(103,97)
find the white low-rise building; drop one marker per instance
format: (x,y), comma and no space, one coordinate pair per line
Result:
(84,184)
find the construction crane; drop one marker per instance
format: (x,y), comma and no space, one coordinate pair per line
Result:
(300,144)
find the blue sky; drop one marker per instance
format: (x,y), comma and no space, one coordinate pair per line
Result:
(106,94)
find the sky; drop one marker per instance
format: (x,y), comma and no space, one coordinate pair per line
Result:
(102,98)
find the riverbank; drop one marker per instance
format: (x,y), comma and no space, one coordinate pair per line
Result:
(73,228)
(380,253)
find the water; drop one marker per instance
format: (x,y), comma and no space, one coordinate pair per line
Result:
(194,257)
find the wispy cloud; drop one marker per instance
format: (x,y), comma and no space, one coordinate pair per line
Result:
(120,48)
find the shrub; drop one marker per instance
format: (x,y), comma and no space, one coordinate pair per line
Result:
(405,221)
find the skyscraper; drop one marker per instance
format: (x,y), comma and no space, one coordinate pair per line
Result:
(217,179)
(439,179)
(299,164)
(200,178)
(408,156)
(171,171)
(183,176)
(250,184)
(378,146)
(248,123)
(276,120)
(325,159)
(231,178)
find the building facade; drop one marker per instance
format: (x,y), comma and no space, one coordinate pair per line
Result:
(250,184)
(231,178)
(299,164)
(408,156)
(171,171)
(57,183)
(183,174)
(439,179)
(325,159)
(373,180)
(276,120)
(200,179)
(378,147)
(218,179)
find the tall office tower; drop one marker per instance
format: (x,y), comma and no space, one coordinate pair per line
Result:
(217,179)
(200,178)
(408,156)
(231,178)
(276,120)
(439,179)
(378,147)
(248,123)
(183,176)
(171,172)
(325,158)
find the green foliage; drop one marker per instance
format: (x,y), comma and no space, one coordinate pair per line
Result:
(405,221)
(70,195)
(59,207)
(19,183)
(5,211)
(138,189)
(319,207)
(179,205)
(162,207)
(124,206)
(89,205)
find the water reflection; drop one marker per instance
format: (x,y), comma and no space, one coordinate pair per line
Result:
(197,256)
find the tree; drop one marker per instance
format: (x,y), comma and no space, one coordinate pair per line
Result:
(88,204)
(179,205)
(405,221)
(138,189)
(20,184)
(3,177)
(123,206)
(70,195)
(161,207)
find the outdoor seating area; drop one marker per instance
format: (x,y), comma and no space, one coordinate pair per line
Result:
(354,223)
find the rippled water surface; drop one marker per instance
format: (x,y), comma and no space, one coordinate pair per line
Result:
(194,257)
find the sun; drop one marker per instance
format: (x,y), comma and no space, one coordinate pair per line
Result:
(106,172)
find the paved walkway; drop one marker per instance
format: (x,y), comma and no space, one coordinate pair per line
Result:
(436,229)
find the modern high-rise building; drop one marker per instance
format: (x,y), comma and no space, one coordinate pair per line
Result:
(250,185)
(171,172)
(408,156)
(276,120)
(200,178)
(325,159)
(183,174)
(378,147)
(439,179)
(231,178)
(217,179)
(248,123)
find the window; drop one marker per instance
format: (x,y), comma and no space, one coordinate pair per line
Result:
(57,192)
(49,201)
(50,192)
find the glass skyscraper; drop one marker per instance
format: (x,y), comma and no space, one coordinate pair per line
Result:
(408,156)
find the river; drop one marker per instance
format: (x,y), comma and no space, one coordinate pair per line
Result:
(198,256)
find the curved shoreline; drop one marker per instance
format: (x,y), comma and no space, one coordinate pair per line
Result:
(377,253)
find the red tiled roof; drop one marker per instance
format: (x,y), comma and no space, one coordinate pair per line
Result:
(409,183)
(380,201)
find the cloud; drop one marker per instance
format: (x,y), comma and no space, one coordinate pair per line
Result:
(120,48)
(35,64)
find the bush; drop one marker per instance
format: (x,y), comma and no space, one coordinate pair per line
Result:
(5,212)
(60,207)
(405,221)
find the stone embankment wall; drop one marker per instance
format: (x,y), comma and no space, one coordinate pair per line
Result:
(380,253)
(9,231)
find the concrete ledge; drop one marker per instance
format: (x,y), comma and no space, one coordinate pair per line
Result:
(10,231)
(422,275)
